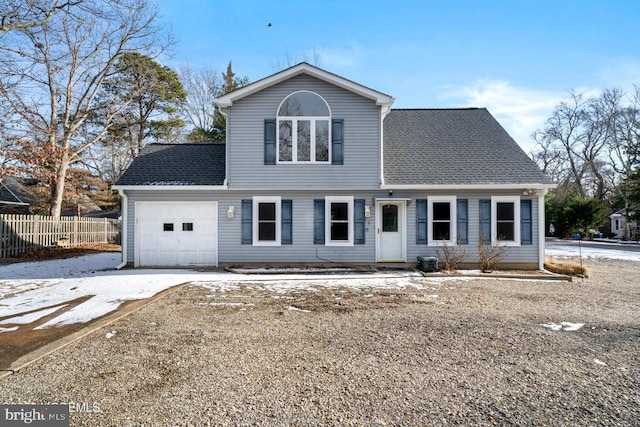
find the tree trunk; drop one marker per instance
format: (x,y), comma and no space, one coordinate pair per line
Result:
(58,190)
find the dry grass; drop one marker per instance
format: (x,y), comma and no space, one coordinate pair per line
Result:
(565,266)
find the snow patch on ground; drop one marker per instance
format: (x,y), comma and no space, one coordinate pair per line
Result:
(599,362)
(32,317)
(564,326)
(573,251)
(292,308)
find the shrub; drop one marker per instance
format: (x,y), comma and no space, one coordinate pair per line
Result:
(450,255)
(571,268)
(490,255)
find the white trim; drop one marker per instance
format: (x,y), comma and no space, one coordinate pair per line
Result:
(2,202)
(453,212)
(277,200)
(169,187)
(300,91)
(536,187)
(124,244)
(327,220)
(402,203)
(541,231)
(392,199)
(516,220)
(380,98)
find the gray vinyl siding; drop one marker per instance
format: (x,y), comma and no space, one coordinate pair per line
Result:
(303,249)
(516,254)
(245,141)
(230,248)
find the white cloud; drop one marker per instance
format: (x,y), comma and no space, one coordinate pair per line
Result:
(519,110)
(338,57)
(621,73)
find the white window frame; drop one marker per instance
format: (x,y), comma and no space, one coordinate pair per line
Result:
(294,134)
(256,220)
(516,220)
(328,200)
(453,229)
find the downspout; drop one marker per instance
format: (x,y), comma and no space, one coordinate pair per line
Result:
(123,224)
(541,229)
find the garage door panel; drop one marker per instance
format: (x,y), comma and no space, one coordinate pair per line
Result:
(193,241)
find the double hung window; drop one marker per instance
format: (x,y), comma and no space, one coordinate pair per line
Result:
(505,224)
(266,217)
(442,220)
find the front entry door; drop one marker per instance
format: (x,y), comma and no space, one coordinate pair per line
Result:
(390,231)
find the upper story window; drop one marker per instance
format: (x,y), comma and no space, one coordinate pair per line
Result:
(304,129)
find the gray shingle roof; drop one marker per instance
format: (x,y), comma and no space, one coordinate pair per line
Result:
(177,164)
(10,191)
(453,146)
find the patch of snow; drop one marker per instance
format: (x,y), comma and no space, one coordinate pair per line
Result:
(284,270)
(40,285)
(573,251)
(32,317)
(599,362)
(231,304)
(110,335)
(292,308)
(565,326)
(8,329)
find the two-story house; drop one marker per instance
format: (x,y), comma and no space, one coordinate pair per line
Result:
(318,168)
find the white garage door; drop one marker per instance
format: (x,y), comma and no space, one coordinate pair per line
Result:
(176,234)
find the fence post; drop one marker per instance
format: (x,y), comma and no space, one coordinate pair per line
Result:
(75,231)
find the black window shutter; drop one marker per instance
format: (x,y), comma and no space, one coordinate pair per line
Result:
(359,221)
(421,221)
(318,223)
(485,220)
(337,142)
(269,142)
(462,213)
(526,223)
(287,222)
(247,222)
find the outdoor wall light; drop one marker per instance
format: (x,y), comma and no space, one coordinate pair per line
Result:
(367,211)
(231,211)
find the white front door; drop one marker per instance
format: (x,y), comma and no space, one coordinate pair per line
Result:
(390,231)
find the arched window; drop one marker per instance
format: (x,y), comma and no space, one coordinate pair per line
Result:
(304,129)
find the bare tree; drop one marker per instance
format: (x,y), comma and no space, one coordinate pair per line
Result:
(314,57)
(202,86)
(20,14)
(51,74)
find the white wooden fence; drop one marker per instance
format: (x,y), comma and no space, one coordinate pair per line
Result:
(23,233)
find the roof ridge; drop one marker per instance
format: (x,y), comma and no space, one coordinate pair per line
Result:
(439,109)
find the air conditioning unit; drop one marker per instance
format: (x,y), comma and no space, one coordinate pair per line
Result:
(427,264)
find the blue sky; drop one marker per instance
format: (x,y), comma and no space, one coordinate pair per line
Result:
(516,58)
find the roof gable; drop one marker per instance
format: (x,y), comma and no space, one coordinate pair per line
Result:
(380,98)
(453,147)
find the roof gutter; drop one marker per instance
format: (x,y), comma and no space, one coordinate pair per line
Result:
(151,187)
(123,230)
(533,186)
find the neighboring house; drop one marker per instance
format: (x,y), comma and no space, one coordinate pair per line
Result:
(12,200)
(621,228)
(318,168)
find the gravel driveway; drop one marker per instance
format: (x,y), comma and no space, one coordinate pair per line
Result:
(461,352)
